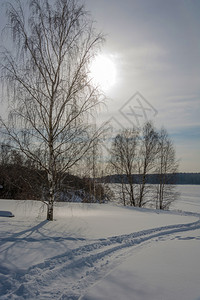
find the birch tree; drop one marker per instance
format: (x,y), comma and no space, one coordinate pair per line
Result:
(167,167)
(146,160)
(49,88)
(123,161)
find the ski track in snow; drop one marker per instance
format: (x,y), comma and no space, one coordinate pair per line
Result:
(87,263)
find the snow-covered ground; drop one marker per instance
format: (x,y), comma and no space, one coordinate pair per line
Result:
(104,251)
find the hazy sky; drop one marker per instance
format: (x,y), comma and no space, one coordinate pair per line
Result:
(155,47)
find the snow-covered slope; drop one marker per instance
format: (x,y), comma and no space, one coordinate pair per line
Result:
(96,251)
(167,268)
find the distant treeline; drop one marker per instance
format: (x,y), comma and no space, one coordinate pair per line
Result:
(18,181)
(179,178)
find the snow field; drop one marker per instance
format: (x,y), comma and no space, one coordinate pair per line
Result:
(96,252)
(164,269)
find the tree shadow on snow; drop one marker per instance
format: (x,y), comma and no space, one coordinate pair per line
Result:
(29,232)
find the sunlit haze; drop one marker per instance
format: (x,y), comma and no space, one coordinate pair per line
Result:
(157,53)
(103,71)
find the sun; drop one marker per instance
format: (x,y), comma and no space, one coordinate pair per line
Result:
(103,71)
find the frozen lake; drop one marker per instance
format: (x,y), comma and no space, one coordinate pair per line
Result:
(189,199)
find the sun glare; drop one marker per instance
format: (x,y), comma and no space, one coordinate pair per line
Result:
(103,71)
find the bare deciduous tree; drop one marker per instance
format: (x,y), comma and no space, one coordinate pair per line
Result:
(49,86)
(123,161)
(146,159)
(167,167)
(90,166)
(135,155)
